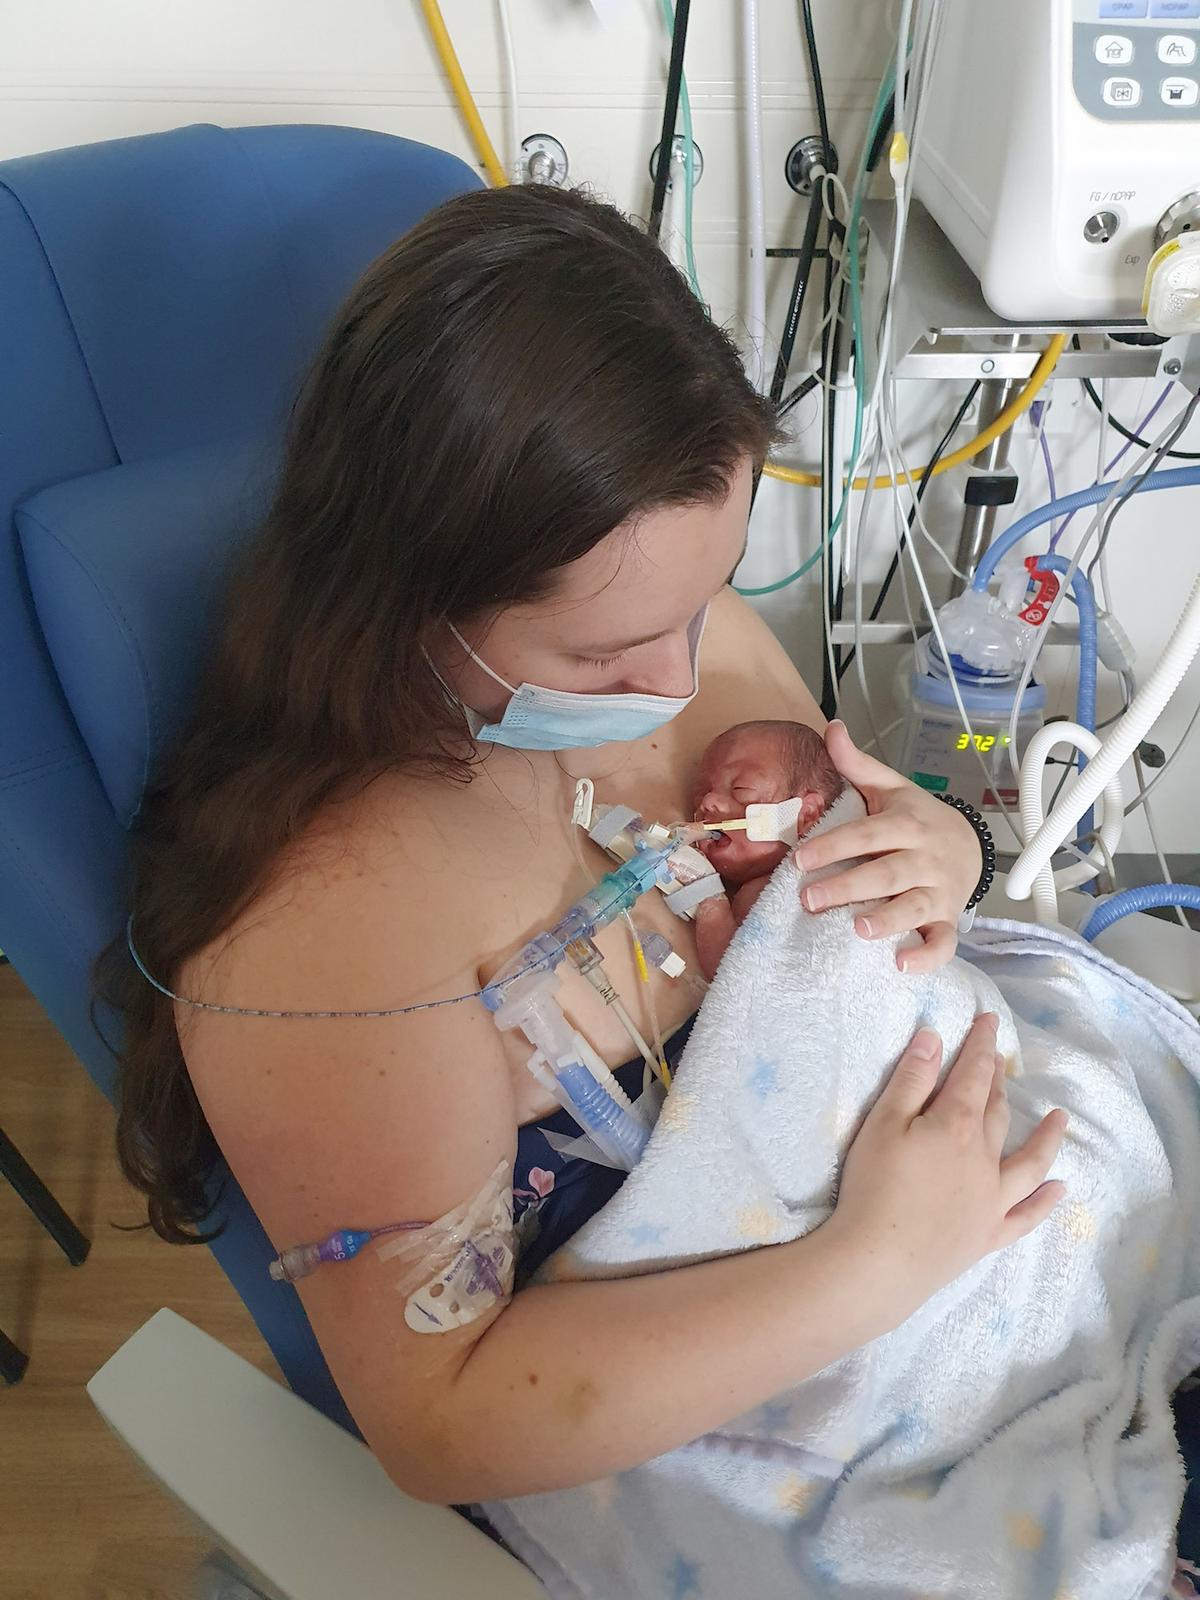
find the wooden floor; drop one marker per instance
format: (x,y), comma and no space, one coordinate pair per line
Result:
(78,1519)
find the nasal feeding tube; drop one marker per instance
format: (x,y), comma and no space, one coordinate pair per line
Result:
(522,996)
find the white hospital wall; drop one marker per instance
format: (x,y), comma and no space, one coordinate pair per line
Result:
(72,71)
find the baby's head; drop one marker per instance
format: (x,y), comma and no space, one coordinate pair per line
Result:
(756,762)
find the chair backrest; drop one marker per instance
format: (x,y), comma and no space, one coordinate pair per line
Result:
(160,299)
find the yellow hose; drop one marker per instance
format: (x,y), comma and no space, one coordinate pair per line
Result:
(484,147)
(1015,408)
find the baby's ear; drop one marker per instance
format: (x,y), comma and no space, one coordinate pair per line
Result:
(812,809)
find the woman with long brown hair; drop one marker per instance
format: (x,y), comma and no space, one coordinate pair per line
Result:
(516,486)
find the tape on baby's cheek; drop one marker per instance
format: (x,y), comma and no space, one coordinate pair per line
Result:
(462,1265)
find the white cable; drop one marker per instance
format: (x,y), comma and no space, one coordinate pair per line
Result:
(907,481)
(1048,884)
(756,190)
(513,88)
(891,728)
(1094,527)
(900,103)
(1122,741)
(1158,849)
(860,660)
(874,425)
(952,677)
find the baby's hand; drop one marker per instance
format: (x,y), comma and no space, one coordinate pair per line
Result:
(713,920)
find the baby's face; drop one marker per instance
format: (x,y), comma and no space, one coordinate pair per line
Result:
(743,767)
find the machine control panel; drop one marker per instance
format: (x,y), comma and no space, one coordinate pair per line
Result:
(1137,60)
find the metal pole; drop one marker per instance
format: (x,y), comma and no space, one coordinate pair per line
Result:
(979,522)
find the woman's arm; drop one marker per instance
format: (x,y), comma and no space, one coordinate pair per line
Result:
(576,1381)
(360,1123)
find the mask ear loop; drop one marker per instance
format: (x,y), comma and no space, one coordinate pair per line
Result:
(480,662)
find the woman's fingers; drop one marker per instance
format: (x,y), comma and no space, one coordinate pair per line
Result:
(867,836)
(872,880)
(912,1080)
(1036,1207)
(939,942)
(996,1114)
(1024,1170)
(964,1093)
(858,768)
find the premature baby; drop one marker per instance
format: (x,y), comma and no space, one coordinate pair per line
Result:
(748,764)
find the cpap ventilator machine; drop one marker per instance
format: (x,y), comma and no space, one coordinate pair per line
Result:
(1060,153)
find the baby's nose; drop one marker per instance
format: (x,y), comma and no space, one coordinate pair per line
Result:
(713,807)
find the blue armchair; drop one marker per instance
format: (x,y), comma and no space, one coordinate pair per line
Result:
(160,299)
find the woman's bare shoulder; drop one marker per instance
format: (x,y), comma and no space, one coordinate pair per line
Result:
(376,891)
(746,671)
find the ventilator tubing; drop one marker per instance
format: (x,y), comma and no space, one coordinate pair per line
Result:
(1126,736)
(1048,884)
(565,1064)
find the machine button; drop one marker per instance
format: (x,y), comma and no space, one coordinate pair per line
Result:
(1173,8)
(1123,91)
(1175,50)
(1115,48)
(1111,9)
(1179,91)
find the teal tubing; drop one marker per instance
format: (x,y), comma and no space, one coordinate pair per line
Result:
(1176,478)
(1149,898)
(881,100)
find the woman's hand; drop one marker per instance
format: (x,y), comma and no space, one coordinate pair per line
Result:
(926,858)
(925,1191)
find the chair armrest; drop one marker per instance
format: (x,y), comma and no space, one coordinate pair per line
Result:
(300,1504)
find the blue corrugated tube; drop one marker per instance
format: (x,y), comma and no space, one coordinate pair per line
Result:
(1176,478)
(1149,898)
(1085,697)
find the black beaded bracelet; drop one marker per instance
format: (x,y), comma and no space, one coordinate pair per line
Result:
(986,843)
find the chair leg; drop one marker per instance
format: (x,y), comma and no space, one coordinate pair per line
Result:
(41,1202)
(12,1361)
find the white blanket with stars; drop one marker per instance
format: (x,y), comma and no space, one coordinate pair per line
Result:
(1014,1437)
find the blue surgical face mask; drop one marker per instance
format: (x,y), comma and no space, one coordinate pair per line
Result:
(559,719)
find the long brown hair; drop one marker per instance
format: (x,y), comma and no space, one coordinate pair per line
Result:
(513,379)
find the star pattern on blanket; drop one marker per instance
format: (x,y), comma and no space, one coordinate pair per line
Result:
(753,932)
(644,1233)
(683,1580)
(676,1113)
(911,1428)
(1026,1532)
(795,1494)
(763,1078)
(758,1223)
(1079,1222)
